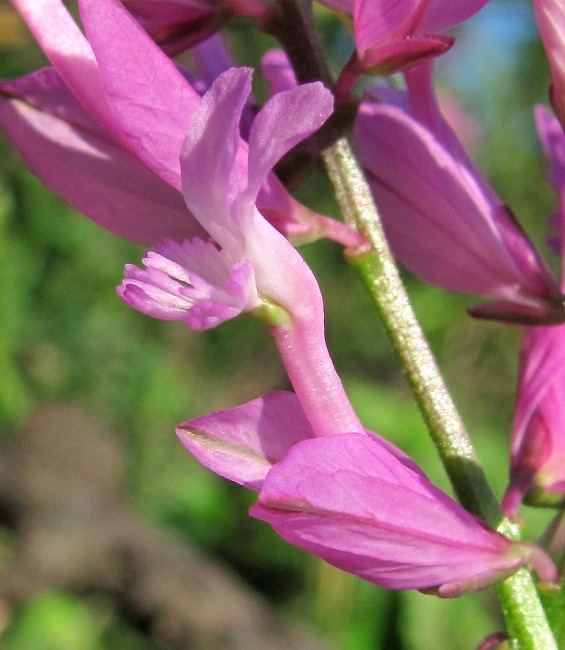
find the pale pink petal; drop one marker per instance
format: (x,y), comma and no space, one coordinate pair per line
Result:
(151,102)
(345,499)
(286,119)
(72,156)
(212,172)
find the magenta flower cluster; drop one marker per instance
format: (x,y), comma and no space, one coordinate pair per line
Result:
(183,161)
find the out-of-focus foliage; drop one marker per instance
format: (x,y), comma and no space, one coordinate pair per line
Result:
(64,335)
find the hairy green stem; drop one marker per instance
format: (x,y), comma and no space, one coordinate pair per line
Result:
(526,620)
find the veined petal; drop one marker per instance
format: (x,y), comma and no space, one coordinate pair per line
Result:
(72,156)
(192,282)
(441,221)
(69,52)
(346,500)
(151,102)
(379,20)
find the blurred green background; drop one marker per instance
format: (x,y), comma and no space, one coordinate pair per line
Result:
(65,336)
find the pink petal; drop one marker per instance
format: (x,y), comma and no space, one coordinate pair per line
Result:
(151,102)
(441,221)
(379,20)
(71,155)
(286,119)
(243,443)
(347,500)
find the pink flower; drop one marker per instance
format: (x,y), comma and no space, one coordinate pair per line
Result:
(537,471)
(392,35)
(550,15)
(354,500)
(104,127)
(442,219)
(250,266)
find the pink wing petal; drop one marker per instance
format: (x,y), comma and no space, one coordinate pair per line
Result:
(379,20)
(395,54)
(538,444)
(74,158)
(151,101)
